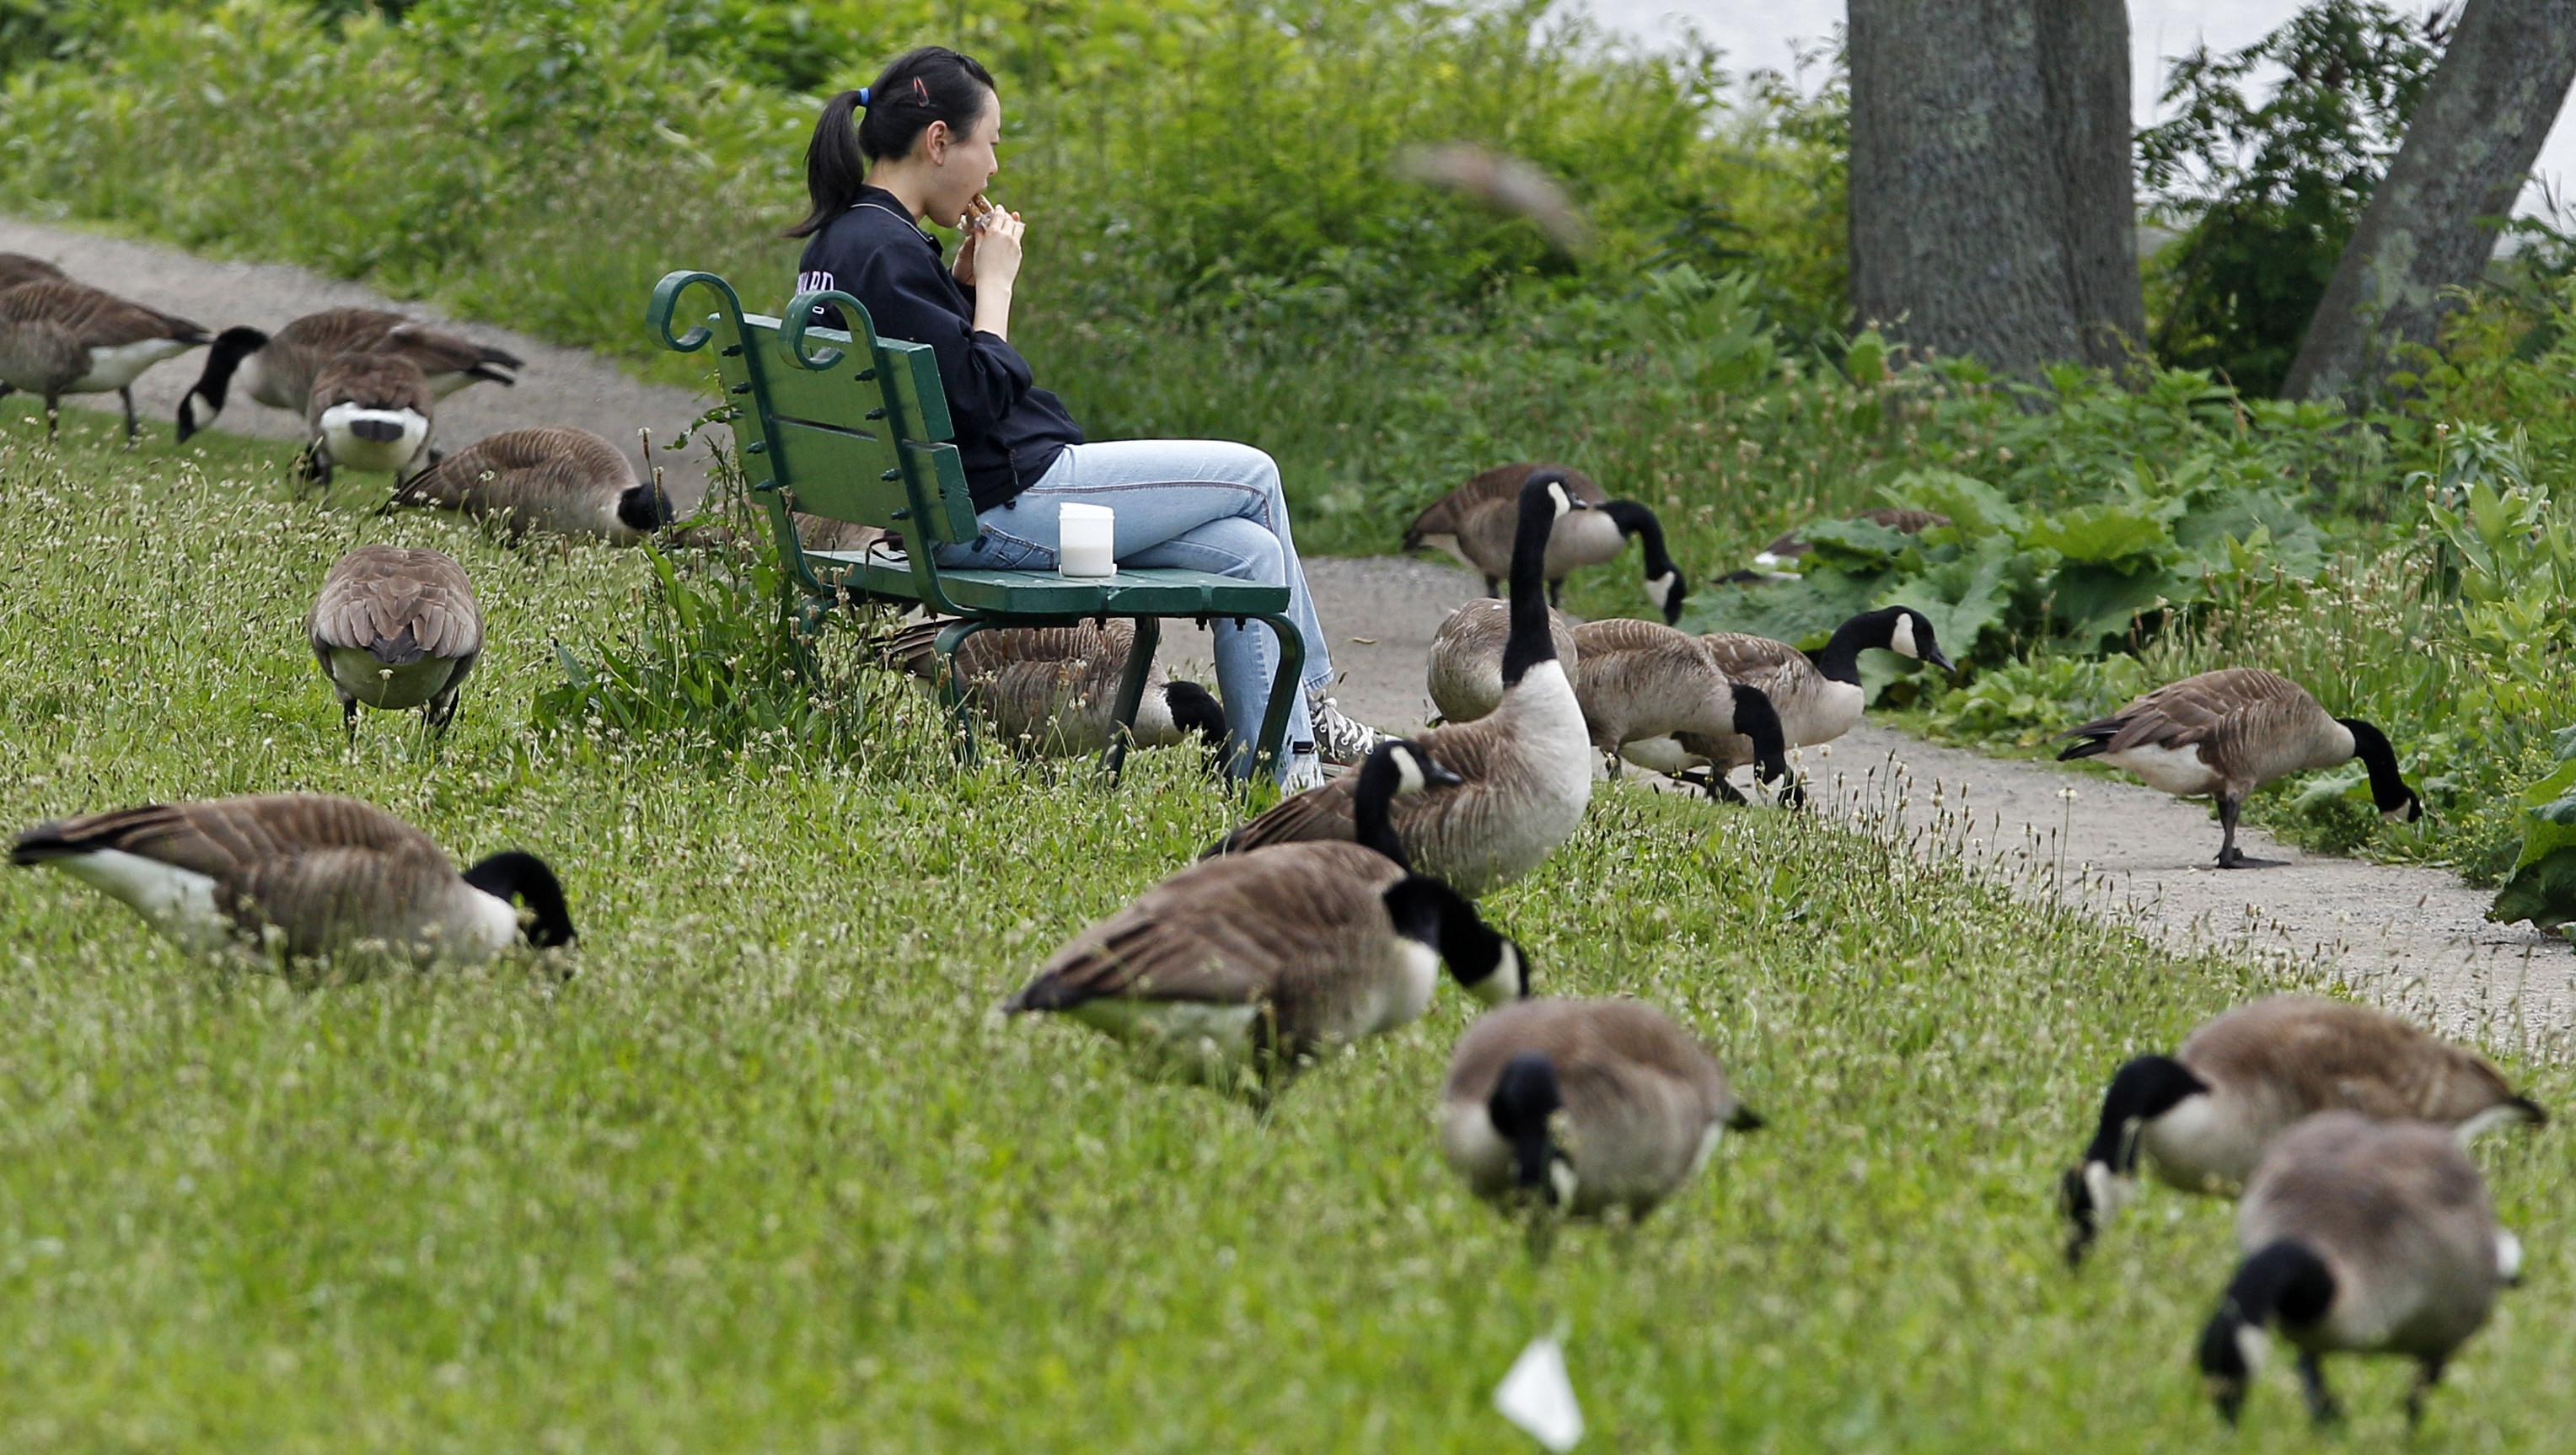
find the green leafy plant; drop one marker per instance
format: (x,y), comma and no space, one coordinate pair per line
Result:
(2543,887)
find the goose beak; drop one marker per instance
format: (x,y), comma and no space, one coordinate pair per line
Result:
(1436,776)
(1936,659)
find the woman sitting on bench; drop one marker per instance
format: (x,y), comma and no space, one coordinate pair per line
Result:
(919,143)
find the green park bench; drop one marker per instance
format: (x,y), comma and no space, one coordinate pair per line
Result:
(866,440)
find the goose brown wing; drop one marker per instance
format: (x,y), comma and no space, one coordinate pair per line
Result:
(2213,707)
(338,331)
(440,353)
(371,381)
(96,318)
(1451,513)
(549,463)
(1324,812)
(1757,661)
(17,268)
(378,593)
(1219,932)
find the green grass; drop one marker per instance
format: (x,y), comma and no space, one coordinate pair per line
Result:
(768,1172)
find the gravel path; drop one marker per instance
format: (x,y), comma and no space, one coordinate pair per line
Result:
(2416,937)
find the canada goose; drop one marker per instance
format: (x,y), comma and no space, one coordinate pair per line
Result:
(552,478)
(1584,1104)
(301,874)
(1818,698)
(17,268)
(1476,523)
(1267,959)
(1055,688)
(1527,766)
(2229,732)
(1779,560)
(2204,1114)
(368,412)
(2362,1237)
(278,369)
(1466,672)
(394,629)
(60,337)
(1641,679)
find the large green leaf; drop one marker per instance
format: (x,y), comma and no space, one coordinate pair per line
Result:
(2291,543)
(1802,612)
(2543,887)
(2095,605)
(1976,508)
(1854,546)
(2107,531)
(1967,598)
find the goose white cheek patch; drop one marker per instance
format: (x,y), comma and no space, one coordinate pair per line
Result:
(1902,641)
(1659,589)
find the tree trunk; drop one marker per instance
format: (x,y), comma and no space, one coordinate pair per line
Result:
(1991,212)
(2084,66)
(2431,225)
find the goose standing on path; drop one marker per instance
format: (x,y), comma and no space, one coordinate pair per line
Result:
(1466,670)
(59,337)
(2226,733)
(1478,521)
(1526,768)
(1584,1105)
(395,629)
(2364,1237)
(1640,680)
(553,478)
(2204,1115)
(279,369)
(1818,698)
(1263,961)
(299,875)
(368,412)
(1054,689)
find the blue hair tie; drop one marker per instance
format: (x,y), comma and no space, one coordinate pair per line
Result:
(863,95)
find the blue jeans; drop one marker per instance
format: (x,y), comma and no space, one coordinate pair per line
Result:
(1201,505)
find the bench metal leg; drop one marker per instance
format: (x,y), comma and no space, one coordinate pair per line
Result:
(1131,694)
(952,693)
(1272,748)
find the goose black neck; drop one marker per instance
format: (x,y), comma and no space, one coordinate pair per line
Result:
(1758,721)
(644,509)
(517,876)
(223,358)
(2283,1280)
(1634,519)
(2141,1091)
(2387,786)
(1523,1099)
(1428,912)
(1529,643)
(1840,660)
(1373,808)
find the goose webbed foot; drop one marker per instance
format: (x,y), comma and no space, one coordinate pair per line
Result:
(133,431)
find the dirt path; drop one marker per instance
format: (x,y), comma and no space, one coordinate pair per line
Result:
(2411,936)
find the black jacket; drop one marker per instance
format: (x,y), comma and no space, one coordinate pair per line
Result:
(1008,430)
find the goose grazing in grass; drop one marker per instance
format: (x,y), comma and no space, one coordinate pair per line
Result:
(1054,689)
(1818,698)
(302,874)
(1778,561)
(1584,1106)
(1264,961)
(553,478)
(17,268)
(1477,523)
(1525,769)
(2204,1115)
(1641,680)
(1466,671)
(2226,733)
(396,629)
(279,369)
(59,337)
(2359,1237)
(368,412)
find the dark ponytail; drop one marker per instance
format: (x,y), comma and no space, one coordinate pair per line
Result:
(931,84)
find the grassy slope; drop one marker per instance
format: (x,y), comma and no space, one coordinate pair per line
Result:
(769,1173)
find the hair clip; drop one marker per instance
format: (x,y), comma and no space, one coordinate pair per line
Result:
(921,89)
(863,95)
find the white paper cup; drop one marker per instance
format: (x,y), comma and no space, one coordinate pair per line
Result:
(1086,540)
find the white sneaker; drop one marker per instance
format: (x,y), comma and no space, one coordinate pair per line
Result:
(1339,739)
(1305,771)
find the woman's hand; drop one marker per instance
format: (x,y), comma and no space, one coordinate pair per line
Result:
(995,249)
(970,225)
